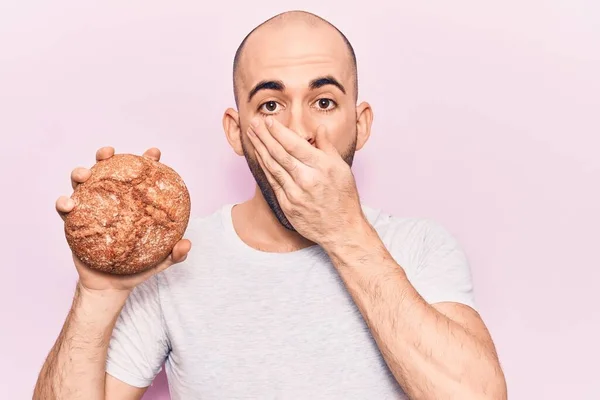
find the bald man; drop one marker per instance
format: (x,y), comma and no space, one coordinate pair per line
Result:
(301,292)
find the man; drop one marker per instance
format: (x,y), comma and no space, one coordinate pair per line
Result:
(299,293)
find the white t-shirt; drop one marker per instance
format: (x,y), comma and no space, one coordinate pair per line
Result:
(232,322)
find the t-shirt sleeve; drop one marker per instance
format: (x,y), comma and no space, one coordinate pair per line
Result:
(441,271)
(139,344)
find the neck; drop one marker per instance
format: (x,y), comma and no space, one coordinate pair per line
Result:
(258,227)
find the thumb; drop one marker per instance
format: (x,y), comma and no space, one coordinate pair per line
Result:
(180,251)
(322,141)
(178,254)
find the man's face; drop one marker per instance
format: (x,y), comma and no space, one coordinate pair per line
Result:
(302,76)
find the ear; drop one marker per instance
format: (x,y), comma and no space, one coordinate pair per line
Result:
(231,126)
(364,120)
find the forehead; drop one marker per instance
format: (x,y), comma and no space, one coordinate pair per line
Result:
(295,55)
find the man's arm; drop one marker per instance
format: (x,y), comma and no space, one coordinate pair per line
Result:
(433,353)
(441,351)
(75,367)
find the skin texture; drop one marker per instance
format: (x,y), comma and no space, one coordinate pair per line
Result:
(129,215)
(435,351)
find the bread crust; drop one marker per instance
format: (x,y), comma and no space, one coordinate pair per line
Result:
(128,215)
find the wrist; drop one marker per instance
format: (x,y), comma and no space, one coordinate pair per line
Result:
(105,294)
(358,239)
(100,306)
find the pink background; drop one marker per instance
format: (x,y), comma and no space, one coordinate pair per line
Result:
(486,119)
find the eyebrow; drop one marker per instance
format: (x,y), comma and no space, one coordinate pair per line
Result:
(324,81)
(266,85)
(280,87)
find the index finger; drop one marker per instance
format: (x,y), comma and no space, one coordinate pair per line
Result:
(105,153)
(153,153)
(293,143)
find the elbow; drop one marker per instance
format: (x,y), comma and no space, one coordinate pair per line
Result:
(492,388)
(499,390)
(485,381)
(492,384)
(495,393)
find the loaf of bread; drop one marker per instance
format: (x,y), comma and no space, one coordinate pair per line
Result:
(128,216)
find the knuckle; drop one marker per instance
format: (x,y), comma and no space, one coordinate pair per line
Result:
(294,148)
(278,175)
(294,196)
(328,167)
(292,165)
(270,164)
(294,212)
(306,182)
(301,181)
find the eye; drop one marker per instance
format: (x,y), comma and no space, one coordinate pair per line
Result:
(269,107)
(325,104)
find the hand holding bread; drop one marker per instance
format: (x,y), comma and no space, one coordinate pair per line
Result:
(125,219)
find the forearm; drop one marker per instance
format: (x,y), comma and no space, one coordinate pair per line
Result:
(431,356)
(75,367)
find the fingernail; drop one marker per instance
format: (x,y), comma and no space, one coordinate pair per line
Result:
(254,123)
(269,121)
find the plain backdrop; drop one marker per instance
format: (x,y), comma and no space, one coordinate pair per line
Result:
(486,119)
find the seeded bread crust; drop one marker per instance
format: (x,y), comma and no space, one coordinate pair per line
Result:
(128,215)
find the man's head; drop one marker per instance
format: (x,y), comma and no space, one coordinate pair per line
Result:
(301,70)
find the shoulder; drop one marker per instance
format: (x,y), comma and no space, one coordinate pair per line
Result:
(430,254)
(408,231)
(414,240)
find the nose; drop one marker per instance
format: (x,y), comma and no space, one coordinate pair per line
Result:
(299,123)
